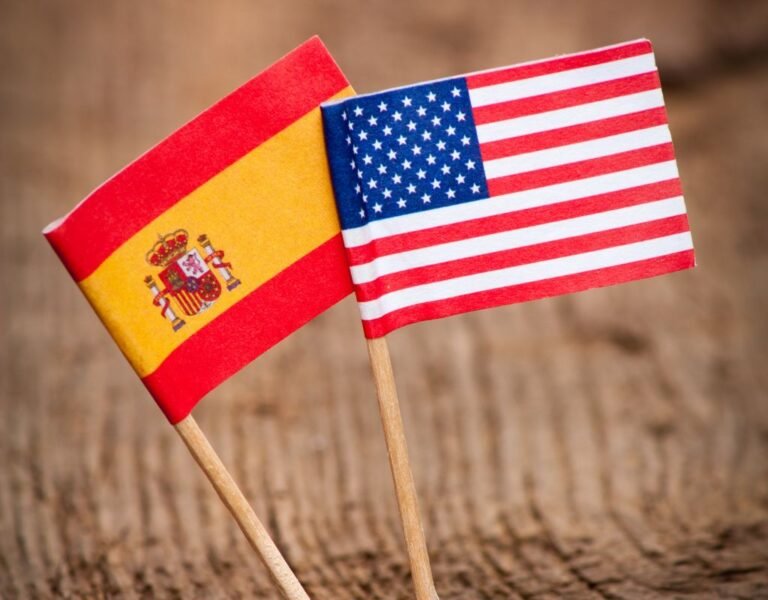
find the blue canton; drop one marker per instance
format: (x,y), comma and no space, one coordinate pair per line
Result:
(403,151)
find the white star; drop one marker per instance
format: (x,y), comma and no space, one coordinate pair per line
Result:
(352,164)
(392,155)
(446,106)
(470,164)
(406,164)
(416,149)
(377,145)
(358,111)
(382,106)
(387,130)
(354,149)
(359,174)
(367,159)
(372,183)
(411,126)
(411,188)
(358,189)
(435,184)
(460,178)
(475,189)
(350,125)
(421,173)
(460,115)
(421,111)
(377,207)
(387,193)
(445,169)
(425,199)
(441,145)
(373,121)
(362,213)
(465,141)
(344,116)
(382,170)
(426,136)
(450,130)
(401,140)
(455,92)
(401,203)
(363,135)
(431,160)
(455,155)
(407,101)
(396,178)
(397,115)
(431,96)
(349,140)
(436,121)
(450,193)
(365,198)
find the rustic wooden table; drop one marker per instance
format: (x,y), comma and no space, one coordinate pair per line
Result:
(611,444)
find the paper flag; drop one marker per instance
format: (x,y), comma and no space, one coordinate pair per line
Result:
(507,185)
(221,240)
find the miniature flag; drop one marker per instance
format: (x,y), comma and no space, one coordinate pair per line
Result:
(507,185)
(221,240)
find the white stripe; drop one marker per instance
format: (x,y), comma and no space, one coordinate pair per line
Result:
(548,269)
(563,80)
(539,61)
(573,115)
(488,207)
(571,153)
(516,238)
(484,71)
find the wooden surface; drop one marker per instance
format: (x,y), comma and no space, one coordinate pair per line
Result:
(232,496)
(610,444)
(404,485)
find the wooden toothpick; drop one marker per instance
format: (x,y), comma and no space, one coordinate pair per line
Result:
(237,504)
(405,490)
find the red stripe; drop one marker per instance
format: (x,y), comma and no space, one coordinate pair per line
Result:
(521,256)
(513,220)
(186,300)
(191,301)
(531,291)
(573,134)
(566,99)
(581,170)
(268,314)
(196,303)
(556,65)
(178,165)
(184,303)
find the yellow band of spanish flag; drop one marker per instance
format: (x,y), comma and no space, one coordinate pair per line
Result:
(221,240)
(262,214)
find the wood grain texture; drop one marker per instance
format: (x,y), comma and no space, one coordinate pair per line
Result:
(237,504)
(400,466)
(609,444)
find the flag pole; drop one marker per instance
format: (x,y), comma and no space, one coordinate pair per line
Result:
(405,489)
(237,504)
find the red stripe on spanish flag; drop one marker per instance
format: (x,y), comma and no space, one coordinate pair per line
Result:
(268,314)
(153,183)
(220,241)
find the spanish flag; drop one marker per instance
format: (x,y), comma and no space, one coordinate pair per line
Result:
(221,240)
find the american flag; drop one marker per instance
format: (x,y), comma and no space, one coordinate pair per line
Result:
(507,185)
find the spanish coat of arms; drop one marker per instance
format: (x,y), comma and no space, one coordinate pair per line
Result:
(188,281)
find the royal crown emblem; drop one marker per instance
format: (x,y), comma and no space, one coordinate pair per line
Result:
(189,283)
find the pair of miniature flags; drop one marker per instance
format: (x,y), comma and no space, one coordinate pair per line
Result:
(429,200)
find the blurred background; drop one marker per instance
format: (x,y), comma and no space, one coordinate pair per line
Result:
(608,444)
